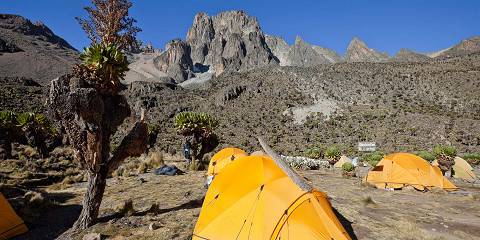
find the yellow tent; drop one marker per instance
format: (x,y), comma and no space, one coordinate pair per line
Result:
(222,158)
(461,169)
(252,198)
(10,224)
(343,159)
(404,169)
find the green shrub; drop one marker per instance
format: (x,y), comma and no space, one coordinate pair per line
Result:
(373,158)
(333,152)
(314,152)
(472,158)
(348,167)
(426,155)
(448,151)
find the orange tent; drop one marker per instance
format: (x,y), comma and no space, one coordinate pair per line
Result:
(252,198)
(10,224)
(222,158)
(461,169)
(404,169)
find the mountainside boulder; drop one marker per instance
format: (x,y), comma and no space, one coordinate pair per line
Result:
(358,51)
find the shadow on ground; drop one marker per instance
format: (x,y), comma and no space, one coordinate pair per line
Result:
(52,220)
(346,224)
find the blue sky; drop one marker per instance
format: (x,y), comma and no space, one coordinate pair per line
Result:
(386,25)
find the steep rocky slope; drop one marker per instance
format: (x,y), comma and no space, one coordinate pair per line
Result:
(401,106)
(32,50)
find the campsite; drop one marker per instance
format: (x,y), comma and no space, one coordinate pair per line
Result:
(365,211)
(221,120)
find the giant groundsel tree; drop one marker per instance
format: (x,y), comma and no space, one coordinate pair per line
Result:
(89,106)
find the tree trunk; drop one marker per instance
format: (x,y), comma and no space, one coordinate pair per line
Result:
(92,200)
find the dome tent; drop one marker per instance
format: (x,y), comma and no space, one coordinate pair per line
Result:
(461,170)
(11,224)
(222,158)
(343,159)
(254,198)
(404,169)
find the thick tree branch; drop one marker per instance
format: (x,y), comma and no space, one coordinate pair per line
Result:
(132,145)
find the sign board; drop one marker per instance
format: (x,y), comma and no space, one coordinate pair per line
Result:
(367,146)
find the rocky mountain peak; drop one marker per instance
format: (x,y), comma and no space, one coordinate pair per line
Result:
(230,41)
(40,31)
(466,46)
(236,21)
(358,51)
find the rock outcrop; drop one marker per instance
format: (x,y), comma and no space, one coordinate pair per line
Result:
(176,61)
(407,55)
(229,41)
(358,51)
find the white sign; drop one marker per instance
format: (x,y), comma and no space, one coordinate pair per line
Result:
(367,146)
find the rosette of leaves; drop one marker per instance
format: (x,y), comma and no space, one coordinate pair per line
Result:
(7,120)
(37,121)
(348,169)
(333,153)
(103,66)
(314,152)
(189,123)
(198,131)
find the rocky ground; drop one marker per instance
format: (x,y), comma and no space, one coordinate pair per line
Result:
(166,207)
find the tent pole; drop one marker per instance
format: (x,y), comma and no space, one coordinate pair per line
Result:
(297,179)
